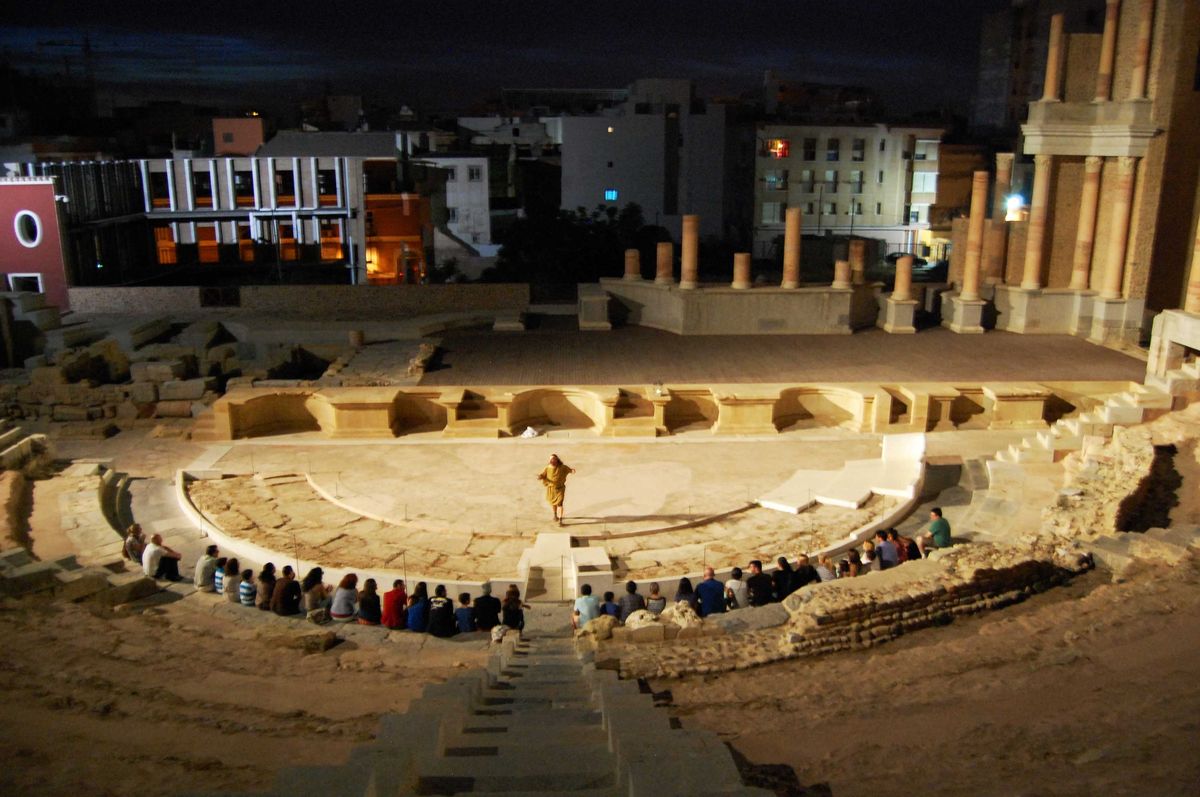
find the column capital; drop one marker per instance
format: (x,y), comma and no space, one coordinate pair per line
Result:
(1093,163)
(1004,161)
(1042,161)
(1127,163)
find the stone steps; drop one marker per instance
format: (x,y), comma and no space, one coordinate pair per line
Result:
(538,720)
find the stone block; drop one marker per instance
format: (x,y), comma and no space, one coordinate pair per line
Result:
(66,412)
(48,375)
(36,361)
(143,392)
(183,390)
(126,587)
(647,633)
(157,371)
(173,409)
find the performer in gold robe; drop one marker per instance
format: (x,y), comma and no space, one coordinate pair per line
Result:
(554,476)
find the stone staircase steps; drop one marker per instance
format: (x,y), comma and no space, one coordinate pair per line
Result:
(538,720)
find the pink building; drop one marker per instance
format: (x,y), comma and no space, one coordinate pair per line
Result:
(31,246)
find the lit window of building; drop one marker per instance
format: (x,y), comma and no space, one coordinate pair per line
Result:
(859,150)
(610,195)
(776,179)
(778,148)
(833,149)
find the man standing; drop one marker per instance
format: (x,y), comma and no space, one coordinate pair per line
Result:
(160,561)
(938,534)
(711,594)
(587,608)
(759,585)
(487,608)
(206,568)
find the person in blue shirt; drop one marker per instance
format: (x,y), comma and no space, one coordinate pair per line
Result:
(418,609)
(464,615)
(610,606)
(587,608)
(711,594)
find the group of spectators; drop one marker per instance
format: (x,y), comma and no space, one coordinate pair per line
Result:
(887,550)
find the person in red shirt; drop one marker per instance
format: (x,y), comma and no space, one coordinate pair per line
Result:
(395,606)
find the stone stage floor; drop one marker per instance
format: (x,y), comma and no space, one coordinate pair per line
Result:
(557,354)
(468,508)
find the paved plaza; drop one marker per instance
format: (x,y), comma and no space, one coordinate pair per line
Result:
(638,355)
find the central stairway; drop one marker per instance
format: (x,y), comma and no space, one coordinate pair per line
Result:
(538,720)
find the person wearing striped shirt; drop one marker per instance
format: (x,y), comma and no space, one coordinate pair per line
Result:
(247,590)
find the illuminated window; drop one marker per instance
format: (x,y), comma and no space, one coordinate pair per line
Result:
(859,150)
(776,179)
(773,212)
(831,180)
(610,195)
(924,182)
(777,148)
(856,182)
(610,129)
(833,149)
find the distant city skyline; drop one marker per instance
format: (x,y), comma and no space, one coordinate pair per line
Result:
(915,55)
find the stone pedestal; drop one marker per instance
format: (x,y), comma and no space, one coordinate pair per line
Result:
(1016,405)
(1110,319)
(741,271)
(664,270)
(593,310)
(964,316)
(898,315)
(633,264)
(841,275)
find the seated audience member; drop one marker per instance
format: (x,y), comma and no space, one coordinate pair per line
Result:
(759,585)
(631,601)
(231,582)
(912,552)
(825,568)
(418,609)
(512,610)
(135,543)
(886,551)
(843,568)
(937,535)
(266,586)
(369,610)
(587,608)
(736,594)
(487,608)
(781,579)
(219,576)
(687,593)
(345,599)
(160,561)
(316,592)
(464,615)
(870,562)
(395,606)
(899,544)
(655,602)
(855,562)
(247,589)
(285,598)
(206,568)
(609,606)
(804,574)
(711,594)
(441,613)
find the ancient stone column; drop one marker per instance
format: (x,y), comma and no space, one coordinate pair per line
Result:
(970,283)
(902,291)
(664,272)
(689,252)
(1050,88)
(841,275)
(1191,301)
(1141,55)
(1085,235)
(741,271)
(1122,205)
(1035,239)
(633,264)
(791,249)
(858,261)
(995,243)
(1108,52)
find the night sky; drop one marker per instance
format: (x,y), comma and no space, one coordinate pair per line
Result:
(917,55)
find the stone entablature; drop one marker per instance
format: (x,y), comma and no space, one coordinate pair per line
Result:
(1107,129)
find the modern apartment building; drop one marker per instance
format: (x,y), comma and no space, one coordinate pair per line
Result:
(874,181)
